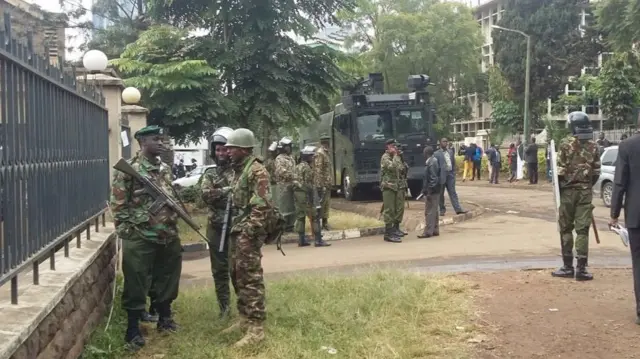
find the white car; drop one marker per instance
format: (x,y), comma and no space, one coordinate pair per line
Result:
(604,187)
(192,178)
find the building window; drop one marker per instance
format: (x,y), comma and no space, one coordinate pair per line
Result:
(592,107)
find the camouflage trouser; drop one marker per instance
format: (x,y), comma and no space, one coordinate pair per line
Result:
(575,213)
(303,209)
(402,193)
(219,263)
(246,269)
(391,202)
(325,200)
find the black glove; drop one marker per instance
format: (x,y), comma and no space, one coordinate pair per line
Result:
(594,179)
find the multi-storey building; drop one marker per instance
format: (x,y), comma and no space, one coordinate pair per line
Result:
(488,13)
(126,8)
(46,32)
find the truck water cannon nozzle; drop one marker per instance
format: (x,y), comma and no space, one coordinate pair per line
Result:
(418,82)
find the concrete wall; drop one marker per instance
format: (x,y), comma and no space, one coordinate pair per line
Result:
(54,319)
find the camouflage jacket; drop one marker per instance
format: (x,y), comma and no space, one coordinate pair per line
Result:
(251,197)
(322,171)
(390,167)
(578,162)
(131,211)
(215,188)
(284,165)
(303,177)
(270,165)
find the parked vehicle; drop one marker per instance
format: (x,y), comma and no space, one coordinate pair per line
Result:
(192,177)
(604,187)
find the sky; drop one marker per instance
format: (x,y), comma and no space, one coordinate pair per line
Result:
(73,38)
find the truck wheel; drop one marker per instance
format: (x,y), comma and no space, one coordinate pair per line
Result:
(348,189)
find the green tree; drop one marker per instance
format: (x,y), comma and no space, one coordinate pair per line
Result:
(507,115)
(421,37)
(274,81)
(560,47)
(619,20)
(620,88)
(182,92)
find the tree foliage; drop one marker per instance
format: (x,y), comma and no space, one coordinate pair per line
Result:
(559,49)
(421,37)
(273,81)
(183,92)
(620,21)
(620,88)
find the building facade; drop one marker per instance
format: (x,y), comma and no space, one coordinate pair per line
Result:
(488,13)
(126,8)
(46,30)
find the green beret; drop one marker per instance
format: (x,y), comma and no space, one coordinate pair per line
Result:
(148,131)
(325,136)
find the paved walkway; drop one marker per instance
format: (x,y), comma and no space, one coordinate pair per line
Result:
(519,223)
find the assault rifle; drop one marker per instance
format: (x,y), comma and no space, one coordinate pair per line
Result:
(161,198)
(315,197)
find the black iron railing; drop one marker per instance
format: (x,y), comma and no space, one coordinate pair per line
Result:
(54,159)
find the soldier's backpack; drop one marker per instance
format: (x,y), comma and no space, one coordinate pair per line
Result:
(275,224)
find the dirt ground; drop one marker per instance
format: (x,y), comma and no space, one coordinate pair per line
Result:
(529,314)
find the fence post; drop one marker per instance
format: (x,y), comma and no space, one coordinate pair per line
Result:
(137,117)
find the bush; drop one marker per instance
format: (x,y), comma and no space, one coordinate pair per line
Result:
(191,195)
(484,165)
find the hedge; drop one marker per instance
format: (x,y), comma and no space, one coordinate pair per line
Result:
(542,163)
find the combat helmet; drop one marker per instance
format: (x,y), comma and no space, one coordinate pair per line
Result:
(308,152)
(579,124)
(242,138)
(273,147)
(221,135)
(286,141)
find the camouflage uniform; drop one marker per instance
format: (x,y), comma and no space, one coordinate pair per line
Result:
(303,192)
(284,166)
(578,163)
(215,187)
(323,181)
(402,191)
(390,167)
(151,250)
(252,208)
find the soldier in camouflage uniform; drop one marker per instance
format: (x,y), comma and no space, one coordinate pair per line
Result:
(323,177)
(270,162)
(284,165)
(216,186)
(146,239)
(390,167)
(578,170)
(307,198)
(253,209)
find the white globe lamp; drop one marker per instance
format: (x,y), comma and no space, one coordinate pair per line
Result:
(131,96)
(95,61)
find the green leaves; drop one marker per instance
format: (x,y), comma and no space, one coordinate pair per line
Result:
(620,21)
(620,88)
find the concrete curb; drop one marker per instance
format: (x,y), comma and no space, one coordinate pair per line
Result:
(354,233)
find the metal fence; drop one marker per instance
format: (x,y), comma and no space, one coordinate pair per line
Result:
(54,166)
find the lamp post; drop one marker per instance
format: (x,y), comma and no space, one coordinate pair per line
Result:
(131,96)
(526,79)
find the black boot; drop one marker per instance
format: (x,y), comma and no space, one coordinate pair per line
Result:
(566,271)
(302,240)
(151,316)
(390,235)
(399,232)
(224,308)
(581,270)
(165,322)
(133,336)
(319,241)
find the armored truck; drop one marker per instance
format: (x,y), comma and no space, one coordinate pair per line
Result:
(363,122)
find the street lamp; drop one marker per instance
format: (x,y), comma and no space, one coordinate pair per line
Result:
(95,61)
(526,79)
(131,96)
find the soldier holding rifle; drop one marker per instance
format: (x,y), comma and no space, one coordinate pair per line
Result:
(403,187)
(216,186)
(390,167)
(323,177)
(149,233)
(578,169)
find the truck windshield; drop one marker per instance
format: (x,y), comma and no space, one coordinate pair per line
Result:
(410,121)
(375,125)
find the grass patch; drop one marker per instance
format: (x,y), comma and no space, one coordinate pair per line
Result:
(338,220)
(369,316)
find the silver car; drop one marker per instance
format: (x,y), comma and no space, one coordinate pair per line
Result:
(604,187)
